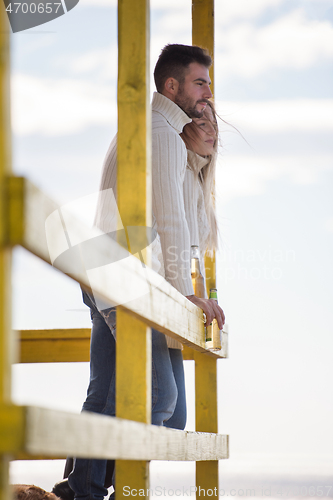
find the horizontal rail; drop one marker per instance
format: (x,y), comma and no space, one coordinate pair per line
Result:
(54,346)
(156,302)
(22,455)
(66,345)
(57,433)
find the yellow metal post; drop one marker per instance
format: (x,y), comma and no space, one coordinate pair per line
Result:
(5,252)
(206,418)
(203,29)
(133,379)
(203,35)
(205,366)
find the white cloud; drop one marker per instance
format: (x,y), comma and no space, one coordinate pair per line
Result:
(317,7)
(64,106)
(245,175)
(229,11)
(102,63)
(59,107)
(269,117)
(106,58)
(290,42)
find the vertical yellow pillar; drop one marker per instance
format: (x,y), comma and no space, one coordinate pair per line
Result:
(203,35)
(133,382)
(5,252)
(206,419)
(203,29)
(205,367)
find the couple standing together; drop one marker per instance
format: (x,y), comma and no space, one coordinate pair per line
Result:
(184,148)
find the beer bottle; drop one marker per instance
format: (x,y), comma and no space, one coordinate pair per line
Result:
(197,278)
(213,333)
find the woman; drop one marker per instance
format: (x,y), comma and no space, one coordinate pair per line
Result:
(201,139)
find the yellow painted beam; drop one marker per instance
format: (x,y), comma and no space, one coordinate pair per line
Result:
(206,417)
(16,187)
(55,346)
(188,353)
(12,429)
(53,433)
(205,367)
(6,351)
(5,492)
(56,334)
(205,394)
(22,455)
(67,345)
(5,169)
(207,478)
(203,35)
(12,434)
(203,29)
(134,115)
(55,351)
(133,357)
(165,309)
(133,383)
(210,267)
(133,390)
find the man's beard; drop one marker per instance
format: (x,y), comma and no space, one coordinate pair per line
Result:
(187,104)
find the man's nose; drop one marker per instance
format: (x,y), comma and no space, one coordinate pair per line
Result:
(208,93)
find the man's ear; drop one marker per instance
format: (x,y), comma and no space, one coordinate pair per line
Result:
(171,87)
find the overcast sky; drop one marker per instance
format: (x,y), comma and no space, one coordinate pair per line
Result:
(273,81)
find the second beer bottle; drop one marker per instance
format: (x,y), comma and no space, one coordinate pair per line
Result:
(213,333)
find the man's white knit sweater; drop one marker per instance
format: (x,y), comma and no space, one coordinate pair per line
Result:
(169,159)
(179,214)
(194,203)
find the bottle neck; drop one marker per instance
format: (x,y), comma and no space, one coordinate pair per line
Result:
(195,252)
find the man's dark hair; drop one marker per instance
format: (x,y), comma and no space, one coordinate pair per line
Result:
(174,61)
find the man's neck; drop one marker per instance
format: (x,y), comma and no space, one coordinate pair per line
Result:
(168,95)
(172,98)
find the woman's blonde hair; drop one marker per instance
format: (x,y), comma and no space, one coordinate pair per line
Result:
(206,174)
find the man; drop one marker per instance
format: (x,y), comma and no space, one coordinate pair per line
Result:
(182,81)
(181,76)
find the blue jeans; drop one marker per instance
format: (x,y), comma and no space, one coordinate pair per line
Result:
(168,393)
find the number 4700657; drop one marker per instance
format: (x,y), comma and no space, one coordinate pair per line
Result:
(33,7)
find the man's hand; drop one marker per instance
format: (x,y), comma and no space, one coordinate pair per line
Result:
(211,309)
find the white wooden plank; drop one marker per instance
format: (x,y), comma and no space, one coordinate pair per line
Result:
(57,433)
(113,273)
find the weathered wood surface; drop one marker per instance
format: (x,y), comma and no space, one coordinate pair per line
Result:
(205,368)
(6,339)
(57,433)
(203,29)
(118,277)
(69,345)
